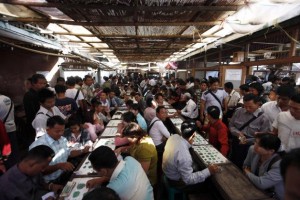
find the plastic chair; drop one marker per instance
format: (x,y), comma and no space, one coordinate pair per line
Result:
(172,191)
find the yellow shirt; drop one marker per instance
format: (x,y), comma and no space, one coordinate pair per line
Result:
(145,151)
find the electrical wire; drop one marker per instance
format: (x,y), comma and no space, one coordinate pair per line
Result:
(287,34)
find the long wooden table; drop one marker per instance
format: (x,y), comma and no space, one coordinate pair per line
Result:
(231,183)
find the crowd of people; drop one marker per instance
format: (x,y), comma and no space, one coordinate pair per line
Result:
(257,128)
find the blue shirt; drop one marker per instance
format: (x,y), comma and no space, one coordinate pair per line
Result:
(141,121)
(130,181)
(61,150)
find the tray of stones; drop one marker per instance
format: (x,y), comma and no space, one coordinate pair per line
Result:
(114,123)
(199,140)
(79,189)
(165,103)
(176,121)
(109,132)
(86,168)
(118,114)
(209,155)
(171,111)
(109,142)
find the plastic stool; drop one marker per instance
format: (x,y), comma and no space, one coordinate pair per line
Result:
(172,191)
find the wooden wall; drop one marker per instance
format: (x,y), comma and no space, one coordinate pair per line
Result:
(16,66)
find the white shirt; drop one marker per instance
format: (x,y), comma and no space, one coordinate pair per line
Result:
(158,131)
(177,162)
(40,121)
(210,99)
(232,99)
(288,130)
(152,82)
(5,104)
(71,93)
(149,114)
(190,110)
(190,85)
(143,83)
(271,110)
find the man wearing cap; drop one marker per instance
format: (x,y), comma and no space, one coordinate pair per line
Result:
(190,110)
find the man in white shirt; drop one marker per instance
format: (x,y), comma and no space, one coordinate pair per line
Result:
(126,177)
(159,134)
(47,110)
(87,89)
(231,101)
(177,160)
(157,130)
(273,108)
(74,93)
(190,110)
(144,82)
(149,112)
(213,97)
(287,125)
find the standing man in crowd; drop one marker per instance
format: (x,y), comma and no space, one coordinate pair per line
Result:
(231,101)
(213,97)
(243,126)
(273,108)
(287,125)
(87,88)
(47,110)
(32,105)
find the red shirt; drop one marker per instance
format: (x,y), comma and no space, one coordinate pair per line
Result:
(218,136)
(5,148)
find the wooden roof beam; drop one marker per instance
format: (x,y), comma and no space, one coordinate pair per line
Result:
(129,42)
(120,7)
(55,21)
(196,36)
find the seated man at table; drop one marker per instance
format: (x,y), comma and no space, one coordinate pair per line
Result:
(24,180)
(126,177)
(54,139)
(178,162)
(262,165)
(102,193)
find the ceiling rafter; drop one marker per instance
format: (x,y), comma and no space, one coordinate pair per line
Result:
(116,36)
(102,23)
(128,8)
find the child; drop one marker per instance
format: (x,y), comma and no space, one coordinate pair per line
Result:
(77,136)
